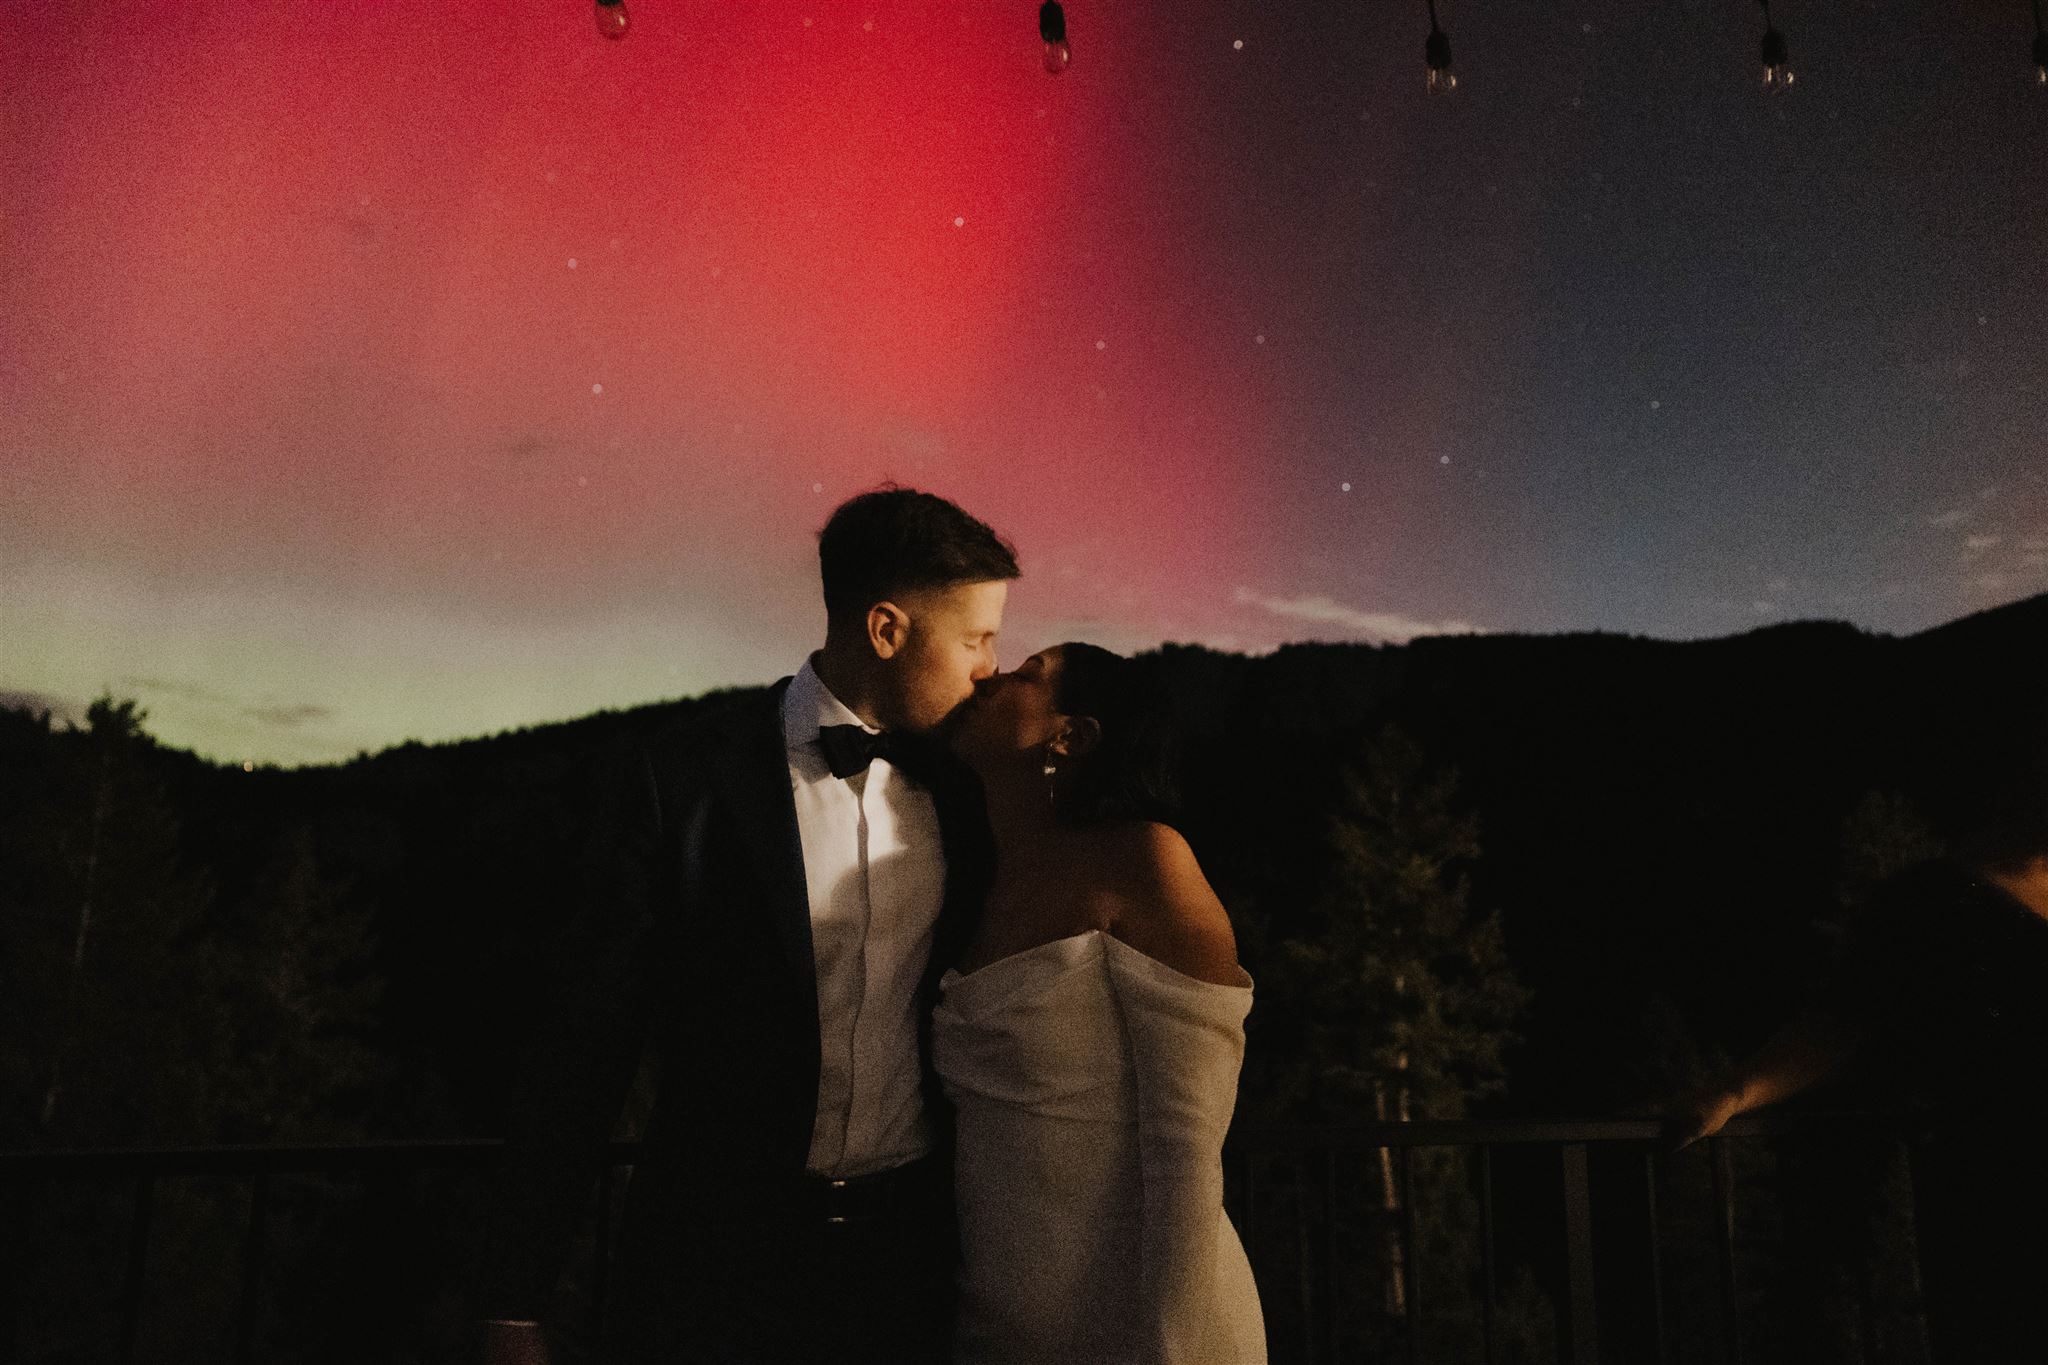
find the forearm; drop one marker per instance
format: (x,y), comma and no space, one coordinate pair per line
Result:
(1812,1046)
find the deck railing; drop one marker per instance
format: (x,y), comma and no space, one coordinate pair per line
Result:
(1251,1153)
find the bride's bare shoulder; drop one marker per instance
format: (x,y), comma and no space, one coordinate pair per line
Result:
(1164,905)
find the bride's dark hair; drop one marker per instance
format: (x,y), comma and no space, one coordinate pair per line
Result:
(1129,775)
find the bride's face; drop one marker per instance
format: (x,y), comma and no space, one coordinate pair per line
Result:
(1010,713)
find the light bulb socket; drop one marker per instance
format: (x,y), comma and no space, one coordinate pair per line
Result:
(1774,48)
(2041,50)
(1052,22)
(1436,50)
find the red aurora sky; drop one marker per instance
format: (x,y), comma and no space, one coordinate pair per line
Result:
(376,370)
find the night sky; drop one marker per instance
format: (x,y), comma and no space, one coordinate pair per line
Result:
(374,371)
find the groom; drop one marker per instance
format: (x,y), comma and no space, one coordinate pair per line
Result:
(789,875)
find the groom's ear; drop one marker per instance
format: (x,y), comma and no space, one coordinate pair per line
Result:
(888,629)
(1084,733)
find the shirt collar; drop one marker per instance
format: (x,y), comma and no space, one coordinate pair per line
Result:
(808,706)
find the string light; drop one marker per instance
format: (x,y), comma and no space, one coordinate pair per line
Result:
(1436,54)
(1777,62)
(1052,27)
(613,22)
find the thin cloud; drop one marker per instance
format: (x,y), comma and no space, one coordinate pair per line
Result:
(522,449)
(1381,626)
(284,715)
(171,687)
(1945,520)
(287,716)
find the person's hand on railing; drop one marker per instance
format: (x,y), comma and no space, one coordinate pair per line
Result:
(515,1343)
(1698,1114)
(1808,1048)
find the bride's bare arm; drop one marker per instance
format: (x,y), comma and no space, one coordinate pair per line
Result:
(1166,908)
(1181,1000)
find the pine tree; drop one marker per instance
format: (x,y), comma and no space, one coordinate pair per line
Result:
(303,999)
(1401,994)
(1396,1001)
(103,916)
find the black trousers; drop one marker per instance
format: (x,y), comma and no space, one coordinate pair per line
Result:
(768,1280)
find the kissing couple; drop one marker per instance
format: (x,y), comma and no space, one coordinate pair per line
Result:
(948,1019)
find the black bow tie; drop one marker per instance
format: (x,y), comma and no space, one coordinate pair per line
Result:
(850,748)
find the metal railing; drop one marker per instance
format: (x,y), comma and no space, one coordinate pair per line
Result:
(1572,1140)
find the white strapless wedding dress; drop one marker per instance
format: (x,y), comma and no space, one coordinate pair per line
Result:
(1093,1086)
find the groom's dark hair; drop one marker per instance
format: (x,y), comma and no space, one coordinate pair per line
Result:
(891,540)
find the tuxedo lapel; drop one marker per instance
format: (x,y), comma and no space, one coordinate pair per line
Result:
(751,777)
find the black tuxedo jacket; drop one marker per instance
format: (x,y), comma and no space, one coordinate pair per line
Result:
(692,933)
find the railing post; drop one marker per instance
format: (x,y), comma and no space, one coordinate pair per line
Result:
(1656,1253)
(601,1259)
(1411,1260)
(1724,1222)
(15,1267)
(1305,1265)
(1915,1144)
(138,1262)
(1331,1279)
(253,1238)
(1486,1251)
(1578,1212)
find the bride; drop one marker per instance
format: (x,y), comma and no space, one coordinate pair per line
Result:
(1090,1040)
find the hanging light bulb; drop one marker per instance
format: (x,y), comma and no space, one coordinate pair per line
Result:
(1436,54)
(611,18)
(1052,27)
(1777,62)
(2040,48)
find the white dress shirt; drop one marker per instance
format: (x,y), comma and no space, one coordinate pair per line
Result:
(875,875)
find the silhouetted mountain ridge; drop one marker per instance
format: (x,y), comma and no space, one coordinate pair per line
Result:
(1661,823)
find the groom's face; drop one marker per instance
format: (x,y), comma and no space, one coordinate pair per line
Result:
(951,647)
